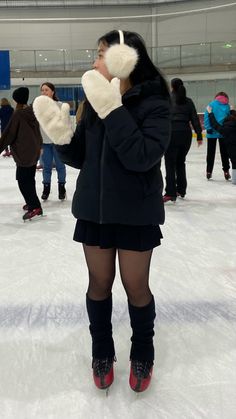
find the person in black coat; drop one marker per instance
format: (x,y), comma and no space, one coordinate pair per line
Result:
(6,112)
(228,130)
(118,145)
(183,113)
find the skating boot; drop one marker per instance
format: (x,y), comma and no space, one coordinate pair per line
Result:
(7,153)
(227,175)
(140,375)
(61,191)
(167,198)
(103,373)
(33,213)
(46,191)
(208,175)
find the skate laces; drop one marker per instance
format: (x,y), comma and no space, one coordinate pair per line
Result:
(101,367)
(141,369)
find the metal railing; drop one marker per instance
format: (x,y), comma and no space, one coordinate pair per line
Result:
(175,56)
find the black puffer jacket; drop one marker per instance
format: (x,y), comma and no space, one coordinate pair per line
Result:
(182,115)
(228,130)
(120,179)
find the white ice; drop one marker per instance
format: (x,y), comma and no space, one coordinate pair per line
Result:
(45,346)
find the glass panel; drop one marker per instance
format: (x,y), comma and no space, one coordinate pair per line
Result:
(79,59)
(198,54)
(168,56)
(22,60)
(50,60)
(205,93)
(223,53)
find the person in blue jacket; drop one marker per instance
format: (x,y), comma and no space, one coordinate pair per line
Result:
(228,130)
(221,109)
(118,146)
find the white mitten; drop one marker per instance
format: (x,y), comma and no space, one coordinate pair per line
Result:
(104,96)
(55,120)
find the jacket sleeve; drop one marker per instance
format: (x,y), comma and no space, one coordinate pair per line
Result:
(9,135)
(207,124)
(195,121)
(73,154)
(139,148)
(218,127)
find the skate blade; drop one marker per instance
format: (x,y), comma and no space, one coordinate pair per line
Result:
(37,217)
(63,199)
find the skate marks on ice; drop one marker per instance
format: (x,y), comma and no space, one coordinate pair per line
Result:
(74,315)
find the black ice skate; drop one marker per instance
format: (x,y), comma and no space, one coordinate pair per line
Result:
(46,191)
(61,191)
(227,175)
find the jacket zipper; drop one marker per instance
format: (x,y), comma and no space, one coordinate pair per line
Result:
(101,180)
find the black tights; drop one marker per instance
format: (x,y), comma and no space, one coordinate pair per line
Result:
(134,271)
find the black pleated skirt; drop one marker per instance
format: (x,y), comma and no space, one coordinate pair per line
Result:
(119,236)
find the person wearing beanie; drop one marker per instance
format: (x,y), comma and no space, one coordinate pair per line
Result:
(21,95)
(23,135)
(183,113)
(221,110)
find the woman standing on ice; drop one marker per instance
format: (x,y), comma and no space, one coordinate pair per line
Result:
(183,113)
(118,146)
(50,155)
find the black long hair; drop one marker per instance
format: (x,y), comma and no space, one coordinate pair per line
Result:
(144,70)
(179,91)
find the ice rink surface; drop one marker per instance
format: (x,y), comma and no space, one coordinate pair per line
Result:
(45,346)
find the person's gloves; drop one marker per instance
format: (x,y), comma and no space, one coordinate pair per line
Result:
(54,119)
(104,96)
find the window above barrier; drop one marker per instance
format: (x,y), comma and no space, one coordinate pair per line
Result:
(173,56)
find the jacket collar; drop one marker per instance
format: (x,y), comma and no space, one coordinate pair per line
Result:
(147,88)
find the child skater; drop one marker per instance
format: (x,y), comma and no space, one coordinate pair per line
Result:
(118,145)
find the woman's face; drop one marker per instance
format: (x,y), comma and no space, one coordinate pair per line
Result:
(46,91)
(99,63)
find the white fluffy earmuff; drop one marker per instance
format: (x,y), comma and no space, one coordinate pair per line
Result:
(121,59)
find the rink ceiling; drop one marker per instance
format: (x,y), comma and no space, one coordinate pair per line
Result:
(169,30)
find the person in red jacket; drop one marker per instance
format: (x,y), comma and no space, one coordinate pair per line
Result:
(23,135)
